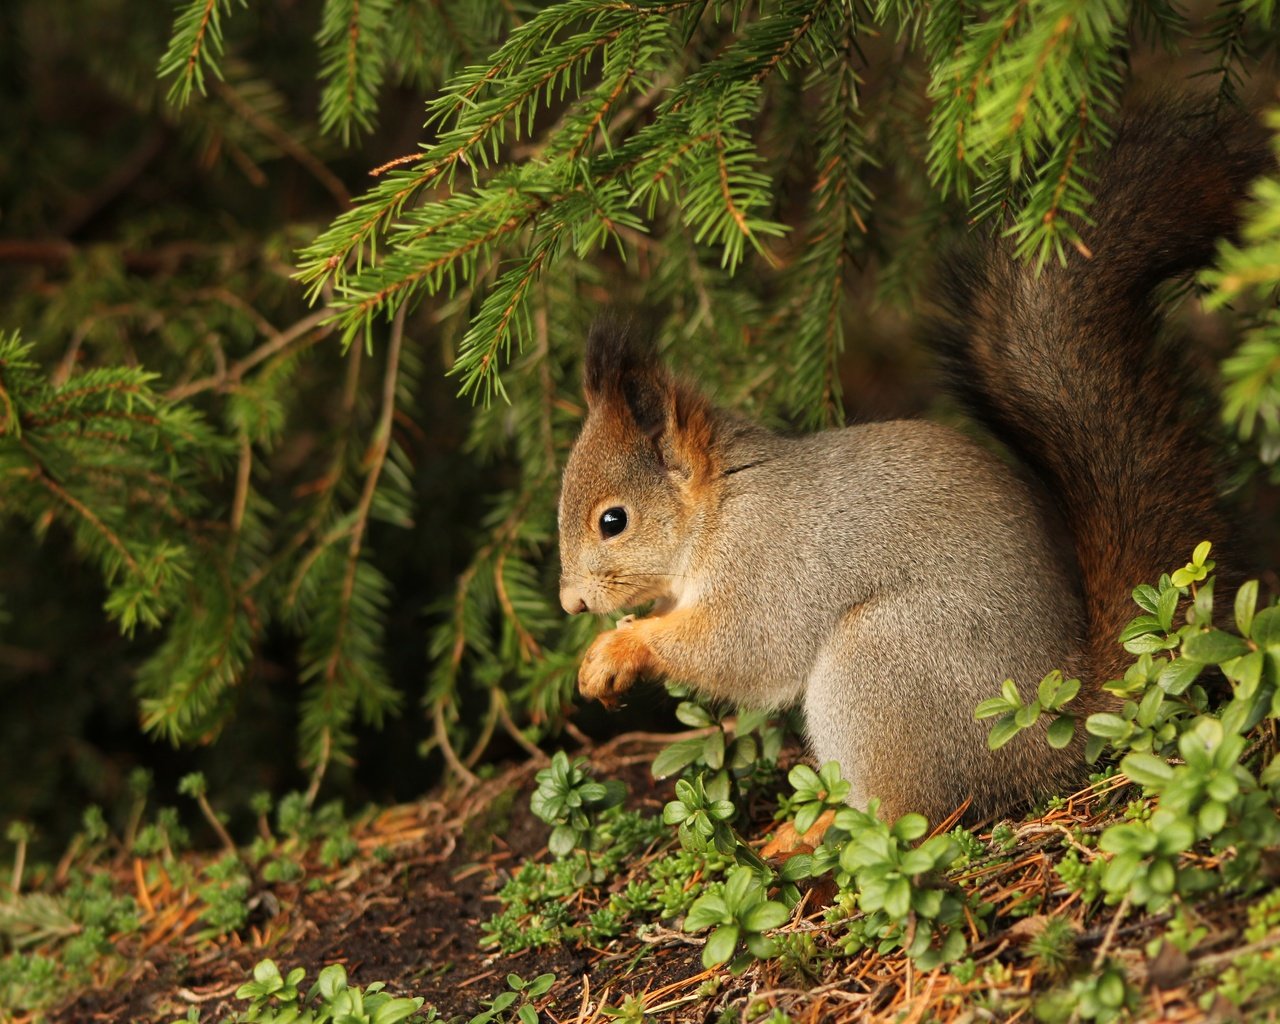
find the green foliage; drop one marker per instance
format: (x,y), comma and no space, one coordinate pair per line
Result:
(815,792)
(752,743)
(738,912)
(758,172)
(1102,996)
(1053,948)
(703,813)
(224,889)
(1211,796)
(278,999)
(54,941)
(195,47)
(516,1004)
(895,885)
(1051,695)
(894,882)
(533,902)
(79,452)
(1251,268)
(572,803)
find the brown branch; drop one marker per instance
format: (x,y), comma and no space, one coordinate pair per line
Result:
(376,459)
(734,212)
(602,113)
(529,649)
(56,253)
(350,388)
(236,371)
(544,378)
(244,471)
(441,730)
(88,515)
(805,25)
(287,143)
(195,48)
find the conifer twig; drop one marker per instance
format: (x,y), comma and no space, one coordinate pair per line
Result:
(314,321)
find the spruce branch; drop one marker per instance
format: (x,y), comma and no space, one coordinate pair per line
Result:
(305,332)
(836,228)
(343,646)
(194,47)
(353,57)
(1250,269)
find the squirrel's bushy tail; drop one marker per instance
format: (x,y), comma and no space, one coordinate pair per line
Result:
(1064,368)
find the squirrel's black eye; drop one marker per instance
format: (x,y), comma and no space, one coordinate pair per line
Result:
(613,521)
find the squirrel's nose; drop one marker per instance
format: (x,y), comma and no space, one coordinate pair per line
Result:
(571,601)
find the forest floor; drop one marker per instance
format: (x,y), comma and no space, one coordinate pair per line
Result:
(407,910)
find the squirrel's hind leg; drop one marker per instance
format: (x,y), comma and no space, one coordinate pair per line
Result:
(894,706)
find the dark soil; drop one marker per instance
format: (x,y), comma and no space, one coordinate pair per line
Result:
(409,916)
(408,911)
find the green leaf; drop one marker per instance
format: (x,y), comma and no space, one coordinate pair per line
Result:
(743,753)
(676,757)
(1002,732)
(897,898)
(1245,672)
(806,816)
(1211,819)
(1150,644)
(395,1010)
(761,947)
(1266,628)
(1147,770)
(1061,731)
(562,840)
(804,777)
(1147,598)
(1246,603)
(1165,611)
(916,862)
(1178,675)
(1066,693)
(910,827)
(1143,625)
(693,715)
(720,945)
(1048,688)
(764,916)
(1121,871)
(990,708)
(1107,725)
(540,985)
(266,972)
(796,867)
(1213,647)
(706,911)
(674,812)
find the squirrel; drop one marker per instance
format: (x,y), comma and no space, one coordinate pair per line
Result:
(888,576)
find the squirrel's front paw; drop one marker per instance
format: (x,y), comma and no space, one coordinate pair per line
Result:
(612,665)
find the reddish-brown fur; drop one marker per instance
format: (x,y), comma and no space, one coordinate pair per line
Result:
(1066,369)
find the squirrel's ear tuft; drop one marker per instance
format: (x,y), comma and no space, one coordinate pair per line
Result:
(628,381)
(623,370)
